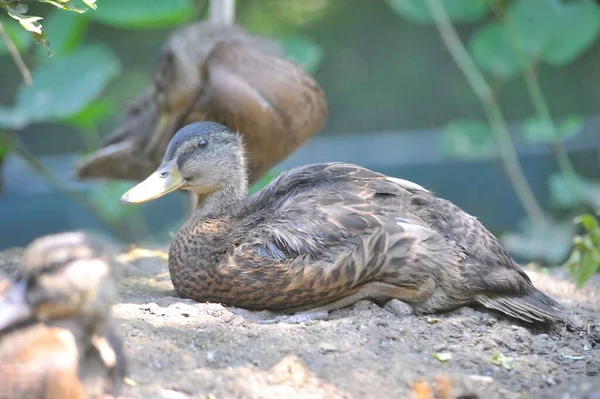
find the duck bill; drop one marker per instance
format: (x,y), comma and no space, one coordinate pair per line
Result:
(166,179)
(14,308)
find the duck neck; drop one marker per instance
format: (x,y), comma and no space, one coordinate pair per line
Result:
(225,200)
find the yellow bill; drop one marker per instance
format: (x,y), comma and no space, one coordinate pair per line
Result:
(166,179)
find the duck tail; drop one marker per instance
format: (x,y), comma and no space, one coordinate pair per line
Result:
(532,307)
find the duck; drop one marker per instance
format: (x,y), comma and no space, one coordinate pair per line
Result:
(56,339)
(218,72)
(323,236)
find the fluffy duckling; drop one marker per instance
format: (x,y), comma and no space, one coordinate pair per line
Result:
(55,339)
(324,236)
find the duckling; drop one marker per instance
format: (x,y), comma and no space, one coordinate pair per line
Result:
(210,71)
(55,337)
(324,236)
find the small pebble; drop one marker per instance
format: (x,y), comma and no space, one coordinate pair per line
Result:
(326,347)
(363,305)
(398,308)
(170,394)
(210,356)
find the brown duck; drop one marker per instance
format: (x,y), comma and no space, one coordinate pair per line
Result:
(55,339)
(323,236)
(211,71)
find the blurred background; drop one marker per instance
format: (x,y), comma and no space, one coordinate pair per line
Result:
(492,104)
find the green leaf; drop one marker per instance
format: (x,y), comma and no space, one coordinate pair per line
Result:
(4,147)
(66,5)
(569,191)
(493,50)
(11,118)
(19,37)
(17,10)
(584,268)
(65,30)
(532,22)
(442,357)
(460,11)
(574,357)
(303,51)
(278,18)
(143,14)
(105,198)
(66,85)
(538,130)
(547,241)
(93,114)
(263,181)
(556,31)
(467,139)
(91,4)
(570,127)
(501,360)
(589,222)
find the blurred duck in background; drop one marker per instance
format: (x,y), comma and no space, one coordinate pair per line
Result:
(56,339)
(215,71)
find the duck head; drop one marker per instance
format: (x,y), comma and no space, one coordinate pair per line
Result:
(202,157)
(62,275)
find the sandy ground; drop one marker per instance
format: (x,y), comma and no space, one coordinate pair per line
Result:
(182,349)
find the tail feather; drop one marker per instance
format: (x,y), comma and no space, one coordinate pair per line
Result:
(532,307)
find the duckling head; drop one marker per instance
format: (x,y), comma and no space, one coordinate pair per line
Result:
(60,276)
(202,157)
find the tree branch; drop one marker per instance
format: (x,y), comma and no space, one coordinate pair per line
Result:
(482,89)
(222,11)
(14,52)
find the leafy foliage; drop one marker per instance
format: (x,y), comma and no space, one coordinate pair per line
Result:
(3,147)
(584,261)
(21,39)
(303,52)
(548,241)
(571,191)
(143,14)
(17,10)
(521,35)
(459,11)
(282,18)
(467,139)
(557,32)
(51,98)
(495,53)
(537,130)
(105,199)
(552,31)
(66,31)
(263,182)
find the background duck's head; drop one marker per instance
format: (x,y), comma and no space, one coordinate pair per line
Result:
(203,157)
(60,276)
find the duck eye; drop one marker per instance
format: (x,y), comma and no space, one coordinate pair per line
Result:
(202,143)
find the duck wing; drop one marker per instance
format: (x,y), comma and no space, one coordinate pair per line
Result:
(490,273)
(328,219)
(321,209)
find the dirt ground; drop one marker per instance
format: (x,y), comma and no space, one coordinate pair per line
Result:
(182,349)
